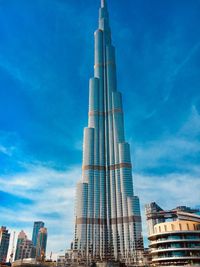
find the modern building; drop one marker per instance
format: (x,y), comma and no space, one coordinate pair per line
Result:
(174,236)
(108,221)
(36,228)
(147,258)
(62,261)
(33,263)
(4,244)
(41,243)
(25,248)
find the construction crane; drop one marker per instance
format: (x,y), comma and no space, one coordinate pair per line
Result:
(13,249)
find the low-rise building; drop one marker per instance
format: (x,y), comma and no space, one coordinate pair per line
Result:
(32,262)
(174,236)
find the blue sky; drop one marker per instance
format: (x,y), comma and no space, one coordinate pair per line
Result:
(46,59)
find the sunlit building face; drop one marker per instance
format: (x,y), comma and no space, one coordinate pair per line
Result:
(108,220)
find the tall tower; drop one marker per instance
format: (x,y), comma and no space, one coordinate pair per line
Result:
(36,228)
(41,243)
(4,244)
(108,220)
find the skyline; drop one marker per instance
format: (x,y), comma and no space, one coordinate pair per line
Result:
(160,60)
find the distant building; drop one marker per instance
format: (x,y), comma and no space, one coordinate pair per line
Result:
(25,248)
(36,228)
(147,258)
(41,243)
(61,261)
(4,243)
(174,236)
(33,263)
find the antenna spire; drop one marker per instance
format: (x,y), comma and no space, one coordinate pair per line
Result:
(103,3)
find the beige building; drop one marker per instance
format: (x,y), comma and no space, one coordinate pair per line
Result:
(174,236)
(25,248)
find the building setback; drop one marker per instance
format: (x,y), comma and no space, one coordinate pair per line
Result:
(108,220)
(25,248)
(4,243)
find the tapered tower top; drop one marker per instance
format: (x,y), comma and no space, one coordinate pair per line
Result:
(103,3)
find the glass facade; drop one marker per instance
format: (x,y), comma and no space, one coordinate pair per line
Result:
(36,228)
(4,244)
(41,243)
(108,220)
(174,236)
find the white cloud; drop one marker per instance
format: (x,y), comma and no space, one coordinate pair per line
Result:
(185,61)
(52,192)
(171,150)
(191,128)
(169,190)
(52,195)
(5,150)
(162,171)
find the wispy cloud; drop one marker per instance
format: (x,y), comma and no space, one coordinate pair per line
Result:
(5,150)
(52,193)
(169,190)
(185,61)
(171,151)
(166,170)
(45,59)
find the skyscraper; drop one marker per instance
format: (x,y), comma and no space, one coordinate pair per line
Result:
(4,243)
(108,220)
(41,243)
(25,248)
(36,228)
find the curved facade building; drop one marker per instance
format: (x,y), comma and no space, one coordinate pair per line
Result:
(108,220)
(176,240)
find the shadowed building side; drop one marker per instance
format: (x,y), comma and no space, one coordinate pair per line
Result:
(4,244)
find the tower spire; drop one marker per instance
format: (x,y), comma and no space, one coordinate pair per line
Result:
(103,3)
(108,219)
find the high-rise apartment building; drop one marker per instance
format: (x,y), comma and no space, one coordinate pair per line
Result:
(174,236)
(108,220)
(41,243)
(4,243)
(25,248)
(36,228)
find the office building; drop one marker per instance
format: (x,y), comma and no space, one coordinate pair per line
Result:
(41,243)
(25,248)
(36,228)
(4,243)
